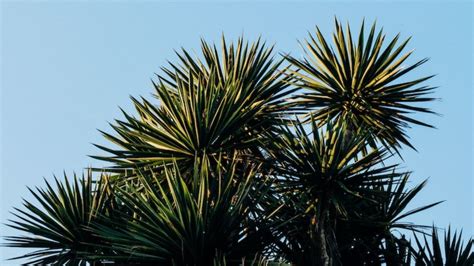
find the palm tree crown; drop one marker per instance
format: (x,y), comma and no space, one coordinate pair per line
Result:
(244,160)
(358,81)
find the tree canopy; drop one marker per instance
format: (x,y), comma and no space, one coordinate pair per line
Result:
(248,157)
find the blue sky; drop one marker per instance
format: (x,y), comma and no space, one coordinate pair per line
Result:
(66,67)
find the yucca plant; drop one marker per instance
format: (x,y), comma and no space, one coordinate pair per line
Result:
(367,233)
(59,227)
(218,170)
(182,224)
(323,174)
(220,106)
(361,82)
(450,252)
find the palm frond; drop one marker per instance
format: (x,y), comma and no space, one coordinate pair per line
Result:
(450,252)
(368,232)
(191,224)
(359,81)
(321,174)
(58,227)
(331,161)
(221,105)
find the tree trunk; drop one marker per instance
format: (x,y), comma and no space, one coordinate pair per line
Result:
(323,250)
(320,232)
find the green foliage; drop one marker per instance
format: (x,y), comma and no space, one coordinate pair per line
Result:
(327,171)
(220,106)
(455,253)
(218,172)
(327,163)
(357,81)
(367,234)
(190,225)
(58,227)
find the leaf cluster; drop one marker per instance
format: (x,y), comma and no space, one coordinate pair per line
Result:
(248,159)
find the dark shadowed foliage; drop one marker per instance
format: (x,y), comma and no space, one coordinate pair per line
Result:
(244,160)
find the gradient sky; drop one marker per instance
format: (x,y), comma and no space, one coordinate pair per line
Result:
(65,69)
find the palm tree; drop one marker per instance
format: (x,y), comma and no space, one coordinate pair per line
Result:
(174,223)
(59,227)
(221,105)
(357,81)
(346,197)
(248,159)
(455,253)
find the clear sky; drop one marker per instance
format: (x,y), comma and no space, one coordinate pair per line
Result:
(65,69)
